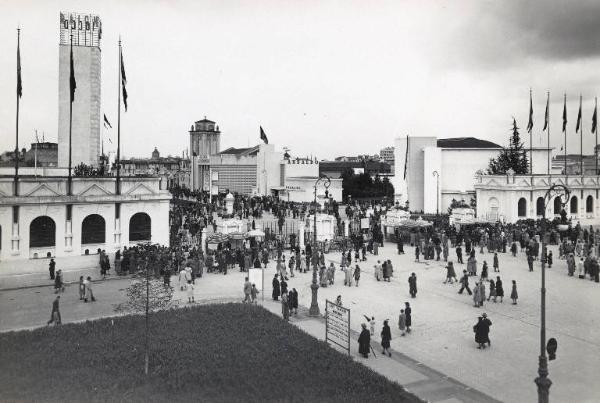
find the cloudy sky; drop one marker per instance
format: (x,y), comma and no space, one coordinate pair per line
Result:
(322,77)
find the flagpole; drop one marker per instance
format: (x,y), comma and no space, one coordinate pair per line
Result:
(565,131)
(70,179)
(581,138)
(16,180)
(596,132)
(530,127)
(548,132)
(118,189)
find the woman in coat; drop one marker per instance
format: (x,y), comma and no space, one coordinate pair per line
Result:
(492,291)
(276,288)
(450,273)
(499,289)
(476,295)
(513,294)
(356,274)
(386,336)
(402,322)
(285,307)
(472,265)
(479,333)
(364,341)
(408,316)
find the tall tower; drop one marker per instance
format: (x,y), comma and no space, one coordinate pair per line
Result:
(85,31)
(205,140)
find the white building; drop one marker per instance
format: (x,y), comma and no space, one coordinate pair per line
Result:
(430,172)
(513,197)
(44,221)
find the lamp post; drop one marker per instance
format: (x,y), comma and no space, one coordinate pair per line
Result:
(437,192)
(542,381)
(314,305)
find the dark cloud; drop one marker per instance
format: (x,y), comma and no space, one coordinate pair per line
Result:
(503,34)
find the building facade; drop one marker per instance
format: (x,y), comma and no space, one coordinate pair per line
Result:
(513,197)
(44,221)
(234,170)
(387,154)
(431,172)
(205,140)
(172,170)
(84,32)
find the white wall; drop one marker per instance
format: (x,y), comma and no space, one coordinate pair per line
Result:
(432,161)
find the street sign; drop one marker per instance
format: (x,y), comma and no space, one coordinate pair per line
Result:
(337,325)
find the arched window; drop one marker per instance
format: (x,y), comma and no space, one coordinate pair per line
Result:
(589,204)
(557,205)
(574,205)
(93,229)
(140,227)
(539,206)
(42,232)
(522,207)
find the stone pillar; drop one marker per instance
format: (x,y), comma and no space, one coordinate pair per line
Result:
(69,236)
(15,240)
(203,240)
(301,226)
(346,228)
(117,236)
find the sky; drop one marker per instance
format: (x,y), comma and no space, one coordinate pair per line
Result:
(323,78)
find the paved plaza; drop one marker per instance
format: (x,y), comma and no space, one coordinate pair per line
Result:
(442,338)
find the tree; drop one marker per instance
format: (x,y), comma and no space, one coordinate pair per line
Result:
(147,294)
(514,157)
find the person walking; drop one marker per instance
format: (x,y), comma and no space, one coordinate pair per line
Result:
(464,283)
(485,324)
(356,274)
(478,330)
(190,292)
(55,313)
(476,295)
(472,264)
(450,273)
(364,341)
(417,253)
(52,268)
(484,272)
(513,293)
(499,289)
(89,294)
(481,293)
(372,324)
(492,290)
(81,288)
(247,291)
(402,322)
(459,256)
(285,307)
(293,301)
(530,261)
(408,315)
(58,282)
(276,289)
(254,293)
(549,259)
(386,337)
(496,263)
(412,285)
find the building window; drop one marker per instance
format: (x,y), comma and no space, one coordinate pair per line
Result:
(93,229)
(140,227)
(522,207)
(589,204)
(574,205)
(539,208)
(42,232)
(557,206)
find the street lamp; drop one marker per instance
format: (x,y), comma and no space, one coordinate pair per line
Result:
(314,305)
(437,192)
(542,381)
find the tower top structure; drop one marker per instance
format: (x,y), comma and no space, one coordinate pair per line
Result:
(85,29)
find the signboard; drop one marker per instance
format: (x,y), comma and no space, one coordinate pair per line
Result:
(337,325)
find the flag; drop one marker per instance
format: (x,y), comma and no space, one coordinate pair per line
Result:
(547,114)
(73,83)
(406,157)
(263,136)
(106,122)
(578,116)
(19,82)
(595,117)
(123,82)
(530,123)
(565,115)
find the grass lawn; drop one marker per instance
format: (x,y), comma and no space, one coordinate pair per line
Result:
(227,353)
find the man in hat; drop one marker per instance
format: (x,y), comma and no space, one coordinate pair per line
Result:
(364,341)
(485,329)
